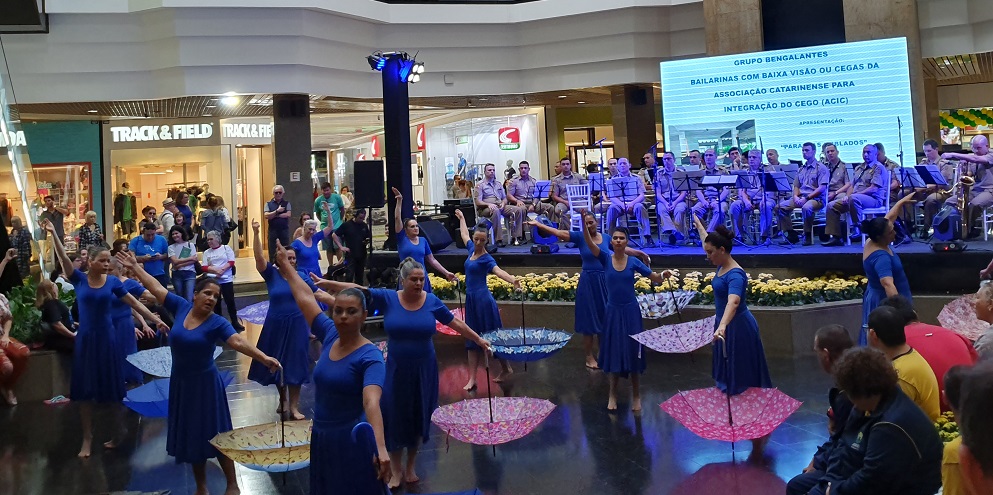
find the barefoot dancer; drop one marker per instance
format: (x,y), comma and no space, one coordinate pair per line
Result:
(410,391)
(591,292)
(620,355)
(98,366)
(481,312)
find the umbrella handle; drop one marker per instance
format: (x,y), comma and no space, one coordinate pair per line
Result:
(524,332)
(489,393)
(672,296)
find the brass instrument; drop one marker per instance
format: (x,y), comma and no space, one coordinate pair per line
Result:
(965,184)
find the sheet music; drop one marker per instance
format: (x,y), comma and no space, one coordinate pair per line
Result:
(623,188)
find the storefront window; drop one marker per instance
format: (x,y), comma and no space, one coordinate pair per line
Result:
(458,151)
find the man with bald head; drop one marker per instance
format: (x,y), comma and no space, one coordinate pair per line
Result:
(981,161)
(867,190)
(712,199)
(630,202)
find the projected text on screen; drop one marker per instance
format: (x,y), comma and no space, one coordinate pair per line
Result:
(850,94)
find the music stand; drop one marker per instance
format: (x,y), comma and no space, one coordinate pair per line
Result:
(596,181)
(779,183)
(930,175)
(542,189)
(790,171)
(689,182)
(620,187)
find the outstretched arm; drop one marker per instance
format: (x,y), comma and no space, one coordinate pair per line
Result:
(153,286)
(397,215)
(898,207)
(506,277)
(466,332)
(10,256)
(463,229)
(302,293)
(700,229)
(60,250)
(333,285)
(145,313)
(589,241)
(260,263)
(430,260)
(563,235)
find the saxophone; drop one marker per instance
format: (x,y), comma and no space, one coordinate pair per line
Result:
(965,183)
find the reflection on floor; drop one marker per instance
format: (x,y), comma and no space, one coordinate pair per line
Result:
(579,449)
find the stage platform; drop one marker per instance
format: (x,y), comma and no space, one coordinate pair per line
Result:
(929,272)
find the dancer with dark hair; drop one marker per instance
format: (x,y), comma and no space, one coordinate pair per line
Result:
(882,266)
(410,390)
(620,355)
(198,404)
(591,291)
(410,245)
(481,312)
(349,379)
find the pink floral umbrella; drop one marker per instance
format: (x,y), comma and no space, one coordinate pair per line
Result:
(959,316)
(712,414)
(679,338)
(493,420)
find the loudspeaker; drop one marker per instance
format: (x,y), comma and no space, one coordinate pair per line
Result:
(370,184)
(639,97)
(452,224)
(822,21)
(436,235)
(292,108)
(947,224)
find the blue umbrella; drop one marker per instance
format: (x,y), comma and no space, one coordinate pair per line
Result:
(526,344)
(158,361)
(152,399)
(255,313)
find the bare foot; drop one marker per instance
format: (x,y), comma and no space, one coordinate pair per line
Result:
(636,404)
(233,490)
(8,395)
(395,482)
(110,444)
(612,404)
(469,387)
(591,363)
(84,450)
(503,375)
(411,478)
(297,415)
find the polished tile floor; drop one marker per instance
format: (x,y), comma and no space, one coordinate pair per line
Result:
(579,449)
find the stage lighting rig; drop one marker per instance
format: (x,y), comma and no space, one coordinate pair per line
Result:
(410,70)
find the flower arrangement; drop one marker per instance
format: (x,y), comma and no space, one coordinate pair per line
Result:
(948,430)
(763,290)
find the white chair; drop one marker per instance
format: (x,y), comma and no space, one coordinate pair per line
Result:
(987,222)
(579,200)
(873,212)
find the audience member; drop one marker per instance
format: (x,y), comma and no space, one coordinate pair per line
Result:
(58,329)
(984,311)
(951,474)
(940,347)
(976,454)
(830,342)
(890,445)
(13,355)
(151,249)
(915,375)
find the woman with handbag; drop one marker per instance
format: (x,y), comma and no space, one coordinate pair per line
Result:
(183,256)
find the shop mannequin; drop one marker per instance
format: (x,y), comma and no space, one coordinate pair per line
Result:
(125,210)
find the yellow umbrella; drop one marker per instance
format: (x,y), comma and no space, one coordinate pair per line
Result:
(272,447)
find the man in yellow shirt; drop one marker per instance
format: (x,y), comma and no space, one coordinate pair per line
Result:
(951,474)
(915,375)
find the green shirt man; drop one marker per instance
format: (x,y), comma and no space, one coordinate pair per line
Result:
(334,203)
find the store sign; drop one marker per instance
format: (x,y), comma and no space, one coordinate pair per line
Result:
(12,138)
(461,139)
(420,137)
(375,146)
(246,131)
(173,132)
(510,138)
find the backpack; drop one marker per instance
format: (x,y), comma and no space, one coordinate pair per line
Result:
(213,221)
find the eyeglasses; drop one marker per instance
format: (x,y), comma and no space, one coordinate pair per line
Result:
(277,192)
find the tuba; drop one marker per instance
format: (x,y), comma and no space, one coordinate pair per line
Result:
(965,184)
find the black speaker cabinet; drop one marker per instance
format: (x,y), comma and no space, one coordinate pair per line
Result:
(452,223)
(795,24)
(370,184)
(436,234)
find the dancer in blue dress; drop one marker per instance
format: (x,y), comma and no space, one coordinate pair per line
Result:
(481,312)
(883,268)
(620,355)
(591,291)
(738,355)
(308,245)
(97,367)
(410,245)
(349,379)
(410,392)
(124,325)
(198,404)
(285,335)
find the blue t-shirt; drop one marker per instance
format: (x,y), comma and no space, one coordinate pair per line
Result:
(339,384)
(139,247)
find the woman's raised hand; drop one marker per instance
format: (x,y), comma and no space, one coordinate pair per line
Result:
(458,212)
(127,259)
(397,195)
(256,226)
(281,256)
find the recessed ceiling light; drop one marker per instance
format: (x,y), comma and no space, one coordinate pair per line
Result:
(91,111)
(581,102)
(229,101)
(482,99)
(562,97)
(230,93)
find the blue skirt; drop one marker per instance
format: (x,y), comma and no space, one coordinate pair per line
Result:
(410,396)
(198,411)
(591,302)
(481,314)
(745,366)
(870,301)
(619,353)
(338,466)
(128,344)
(97,371)
(285,337)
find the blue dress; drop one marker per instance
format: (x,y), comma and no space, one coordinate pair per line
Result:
(198,404)
(419,252)
(124,327)
(745,366)
(97,371)
(619,353)
(309,258)
(877,265)
(410,391)
(338,465)
(591,291)
(481,312)
(284,334)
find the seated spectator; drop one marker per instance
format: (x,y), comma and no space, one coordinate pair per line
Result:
(830,342)
(984,311)
(976,454)
(951,474)
(940,347)
(58,330)
(915,375)
(119,245)
(890,445)
(59,279)
(13,354)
